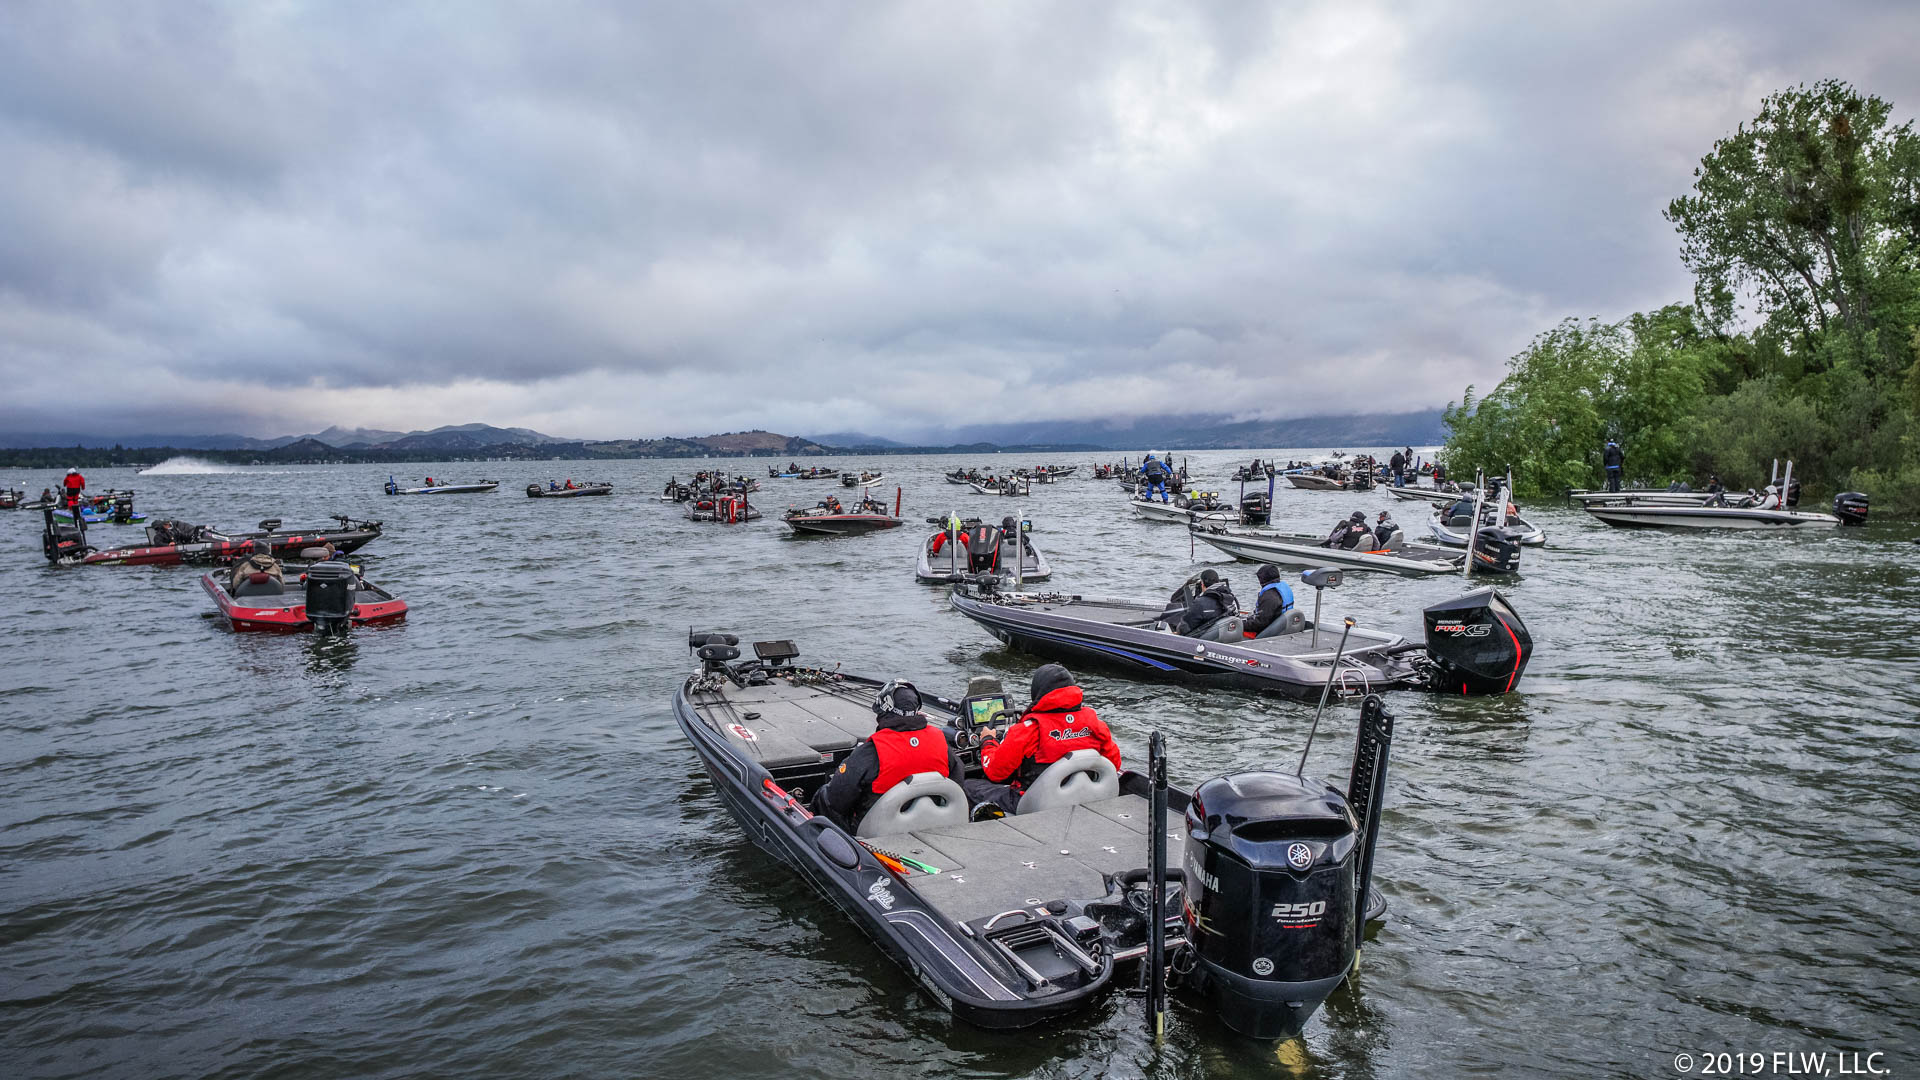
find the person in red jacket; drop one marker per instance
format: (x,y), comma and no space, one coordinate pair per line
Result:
(903,744)
(1056,724)
(72,486)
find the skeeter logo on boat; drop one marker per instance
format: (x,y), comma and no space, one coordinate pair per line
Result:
(879,894)
(741,730)
(1464,629)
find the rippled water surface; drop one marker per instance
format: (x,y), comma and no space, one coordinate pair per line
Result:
(475,844)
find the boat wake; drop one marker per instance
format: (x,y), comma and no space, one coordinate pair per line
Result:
(189,466)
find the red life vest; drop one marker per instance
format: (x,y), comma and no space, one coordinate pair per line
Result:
(904,753)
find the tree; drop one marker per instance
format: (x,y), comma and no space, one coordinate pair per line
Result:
(1814,210)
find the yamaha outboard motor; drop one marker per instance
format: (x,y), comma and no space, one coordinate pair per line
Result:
(1495,550)
(1850,507)
(330,597)
(1475,644)
(1277,870)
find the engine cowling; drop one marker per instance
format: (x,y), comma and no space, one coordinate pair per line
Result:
(1475,644)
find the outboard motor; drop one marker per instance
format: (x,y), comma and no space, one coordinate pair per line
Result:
(1475,644)
(1255,509)
(1850,507)
(1495,550)
(330,597)
(122,512)
(1277,869)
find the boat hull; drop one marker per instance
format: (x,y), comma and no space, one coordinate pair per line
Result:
(379,607)
(1709,517)
(842,524)
(534,492)
(1304,551)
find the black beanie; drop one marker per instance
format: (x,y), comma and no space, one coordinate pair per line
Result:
(1267,574)
(1209,576)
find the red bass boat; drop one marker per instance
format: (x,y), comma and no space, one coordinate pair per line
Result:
(170,543)
(333,599)
(829,518)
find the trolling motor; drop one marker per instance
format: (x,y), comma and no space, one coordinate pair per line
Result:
(64,540)
(1475,644)
(1278,870)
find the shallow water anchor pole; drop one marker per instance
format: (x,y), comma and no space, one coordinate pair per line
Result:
(1157,890)
(1324,691)
(1473,530)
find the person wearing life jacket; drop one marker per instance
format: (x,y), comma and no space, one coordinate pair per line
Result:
(902,745)
(1056,724)
(1347,533)
(1153,476)
(1275,600)
(71,487)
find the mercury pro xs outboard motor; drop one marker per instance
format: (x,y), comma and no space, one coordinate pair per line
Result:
(64,539)
(330,597)
(1850,507)
(1278,869)
(1475,644)
(1255,509)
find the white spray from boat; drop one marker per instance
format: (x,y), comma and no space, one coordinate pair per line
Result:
(189,466)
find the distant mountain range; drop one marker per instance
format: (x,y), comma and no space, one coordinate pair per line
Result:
(451,437)
(1193,432)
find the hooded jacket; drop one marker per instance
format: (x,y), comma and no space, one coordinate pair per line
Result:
(1056,725)
(902,744)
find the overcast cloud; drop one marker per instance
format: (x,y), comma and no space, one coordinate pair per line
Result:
(611,220)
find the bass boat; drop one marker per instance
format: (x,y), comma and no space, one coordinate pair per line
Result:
(1775,509)
(535,491)
(1035,916)
(828,518)
(1490,554)
(393,488)
(1475,644)
(1472,515)
(861,479)
(171,543)
(968,548)
(330,598)
(721,509)
(1181,509)
(1012,485)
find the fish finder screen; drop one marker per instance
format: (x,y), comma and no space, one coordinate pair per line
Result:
(984,711)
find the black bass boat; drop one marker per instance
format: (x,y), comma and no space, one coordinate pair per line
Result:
(829,518)
(1030,917)
(1475,644)
(1491,553)
(332,598)
(967,548)
(172,543)
(554,491)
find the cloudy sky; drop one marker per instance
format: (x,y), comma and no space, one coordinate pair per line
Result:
(618,219)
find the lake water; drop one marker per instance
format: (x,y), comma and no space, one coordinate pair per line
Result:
(475,843)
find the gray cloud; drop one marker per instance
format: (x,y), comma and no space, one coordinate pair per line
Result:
(605,220)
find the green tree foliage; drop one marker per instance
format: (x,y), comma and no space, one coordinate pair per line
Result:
(1810,216)
(1578,385)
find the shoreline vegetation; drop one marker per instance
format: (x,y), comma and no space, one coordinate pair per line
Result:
(1801,341)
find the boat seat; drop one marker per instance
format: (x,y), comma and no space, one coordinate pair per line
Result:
(1459,521)
(1229,628)
(1080,777)
(1291,621)
(259,584)
(925,800)
(1397,541)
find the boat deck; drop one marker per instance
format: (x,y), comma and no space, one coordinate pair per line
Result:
(985,867)
(1301,645)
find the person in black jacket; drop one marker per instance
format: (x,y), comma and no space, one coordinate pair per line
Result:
(1398,464)
(1347,533)
(902,745)
(1275,599)
(1214,602)
(1615,460)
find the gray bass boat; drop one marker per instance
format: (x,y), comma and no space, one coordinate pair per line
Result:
(1475,643)
(1258,893)
(1395,557)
